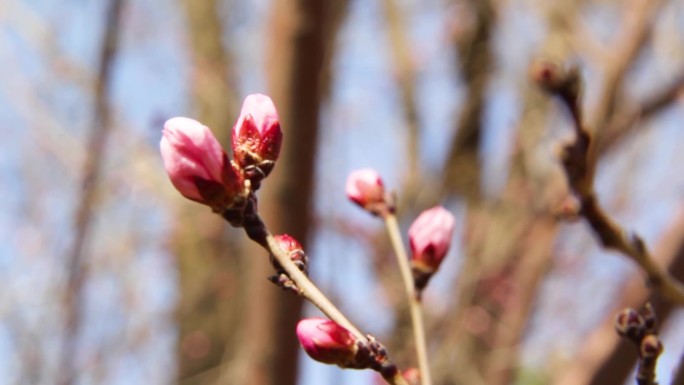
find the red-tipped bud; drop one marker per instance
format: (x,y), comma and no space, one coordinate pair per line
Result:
(365,188)
(197,165)
(257,136)
(326,341)
(294,250)
(429,238)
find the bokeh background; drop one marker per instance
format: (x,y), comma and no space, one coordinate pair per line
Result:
(108,276)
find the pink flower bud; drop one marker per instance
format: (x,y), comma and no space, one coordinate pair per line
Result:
(257,135)
(365,188)
(287,243)
(430,237)
(197,165)
(294,249)
(326,341)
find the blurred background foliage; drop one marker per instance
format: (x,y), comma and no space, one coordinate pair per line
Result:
(110,277)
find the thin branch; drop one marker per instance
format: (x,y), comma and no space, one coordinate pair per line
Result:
(83,215)
(604,358)
(415,304)
(258,232)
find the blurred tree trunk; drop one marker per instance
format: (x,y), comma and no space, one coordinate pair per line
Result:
(300,47)
(236,328)
(75,260)
(508,240)
(208,252)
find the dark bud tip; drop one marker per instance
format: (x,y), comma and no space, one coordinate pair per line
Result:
(630,324)
(651,347)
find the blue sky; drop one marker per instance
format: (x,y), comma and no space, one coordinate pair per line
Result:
(49,49)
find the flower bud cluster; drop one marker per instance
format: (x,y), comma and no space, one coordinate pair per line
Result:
(641,329)
(200,169)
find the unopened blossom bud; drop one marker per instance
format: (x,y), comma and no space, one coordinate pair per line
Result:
(197,165)
(257,137)
(326,341)
(294,250)
(365,188)
(429,238)
(629,323)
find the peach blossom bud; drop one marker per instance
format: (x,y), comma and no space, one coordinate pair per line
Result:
(256,135)
(326,341)
(197,165)
(429,238)
(294,249)
(365,188)
(287,243)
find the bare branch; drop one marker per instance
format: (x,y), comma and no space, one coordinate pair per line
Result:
(579,162)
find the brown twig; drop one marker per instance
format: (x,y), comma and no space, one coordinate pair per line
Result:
(604,358)
(579,162)
(257,231)
(413,297)
(76,273)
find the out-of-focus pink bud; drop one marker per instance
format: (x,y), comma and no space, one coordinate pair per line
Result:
(412,376)
(365,188)
(197,165)
(257,136)
(326,341)
(429,238)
